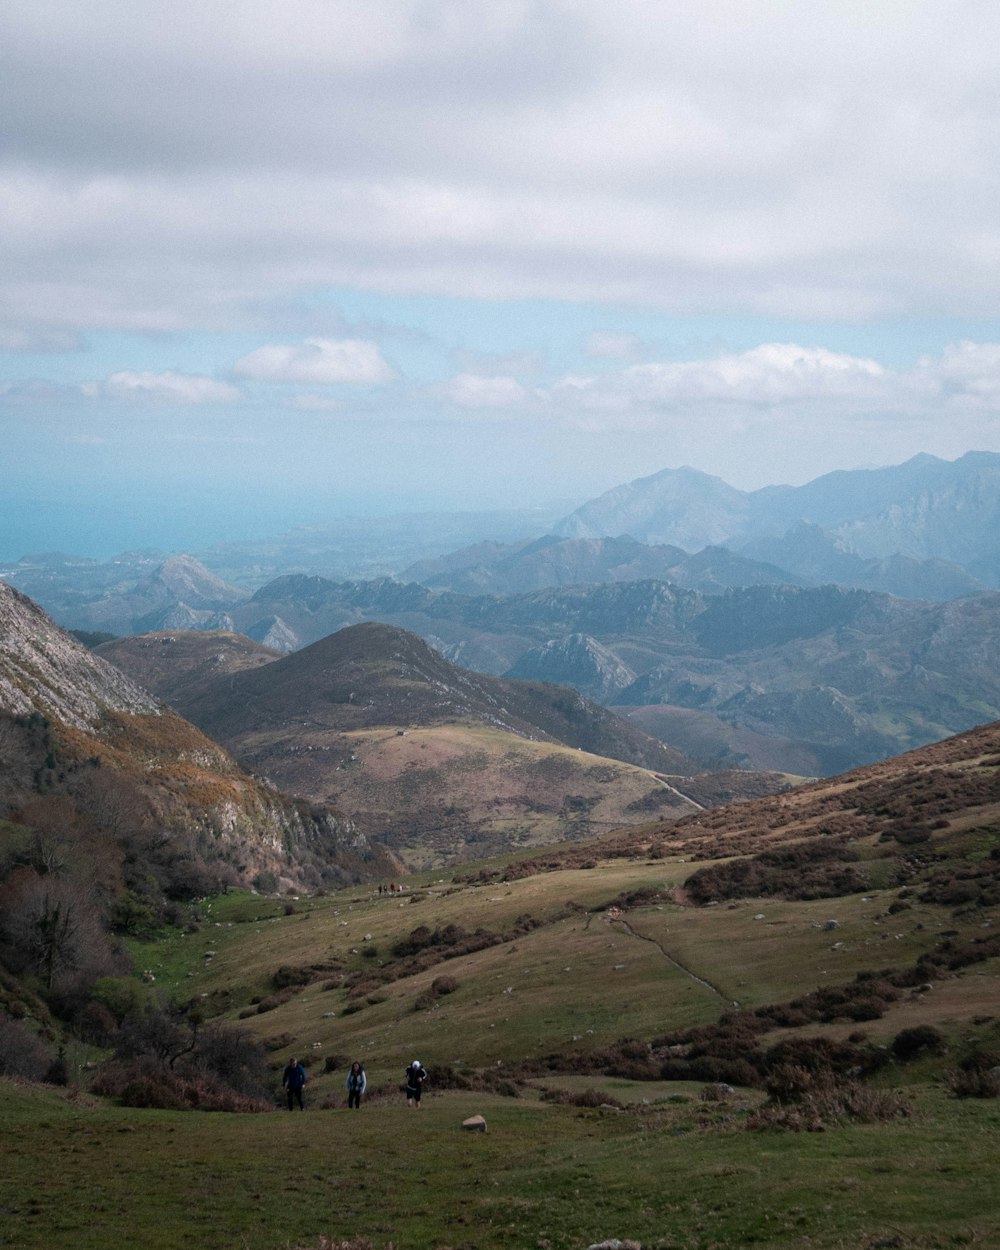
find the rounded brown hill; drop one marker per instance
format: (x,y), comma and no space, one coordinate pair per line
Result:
(373,675)
(431,758)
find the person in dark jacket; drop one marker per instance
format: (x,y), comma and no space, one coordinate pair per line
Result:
(415,1077)
(293,1079)
(356,1084)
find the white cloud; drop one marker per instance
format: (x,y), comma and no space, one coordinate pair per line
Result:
(319,361)
(470,390)
(965,370)
(772,375)
(167,387)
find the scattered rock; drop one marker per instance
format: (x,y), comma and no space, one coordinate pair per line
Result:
(832,924)
(615,1244)
(474,1124)
(718,1092)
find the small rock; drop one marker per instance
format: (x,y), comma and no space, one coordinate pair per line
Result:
(615,1244)
(832,924)
(474,1124)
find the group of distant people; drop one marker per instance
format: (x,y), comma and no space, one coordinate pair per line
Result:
(293,1082)
(394,887)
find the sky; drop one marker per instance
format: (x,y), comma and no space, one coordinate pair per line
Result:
(268,263)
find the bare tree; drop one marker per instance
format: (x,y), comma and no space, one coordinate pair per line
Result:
(52,929)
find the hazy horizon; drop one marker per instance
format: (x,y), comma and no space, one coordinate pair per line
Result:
(408,256)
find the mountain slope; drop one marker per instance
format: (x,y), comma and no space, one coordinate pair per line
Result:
(175,664)
(807,680)
(78,731)
(681,506)
(428,755)
(180,589)
(857,908)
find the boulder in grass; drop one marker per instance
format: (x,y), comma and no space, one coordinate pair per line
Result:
(474,1124)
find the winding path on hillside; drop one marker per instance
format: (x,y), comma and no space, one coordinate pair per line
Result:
(644,937)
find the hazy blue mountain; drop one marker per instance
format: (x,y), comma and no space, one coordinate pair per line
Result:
(675,506)
(819,557)
(555,561)
(925,509)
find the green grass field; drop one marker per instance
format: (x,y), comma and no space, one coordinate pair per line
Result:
(569,974)
(683,1175)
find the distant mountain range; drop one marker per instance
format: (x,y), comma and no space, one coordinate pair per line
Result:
(807,680)
(924,509)
(711,614)
(804,680)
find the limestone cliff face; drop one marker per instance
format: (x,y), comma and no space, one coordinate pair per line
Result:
(44,669)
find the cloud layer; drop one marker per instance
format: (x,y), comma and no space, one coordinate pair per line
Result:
(777,159)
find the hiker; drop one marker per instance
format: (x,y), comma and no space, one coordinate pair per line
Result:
(415,1077)
(356,1084)
(293,1079)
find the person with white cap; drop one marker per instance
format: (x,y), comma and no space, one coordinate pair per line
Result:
(415,1077)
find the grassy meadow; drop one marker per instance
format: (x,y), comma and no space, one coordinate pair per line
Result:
(673,1173)
(582,961)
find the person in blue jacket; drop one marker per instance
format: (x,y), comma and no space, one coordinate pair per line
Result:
(293,1079)
(356,1084)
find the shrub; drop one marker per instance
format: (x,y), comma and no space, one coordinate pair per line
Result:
(923,1039)
(974,1084)
(588,1098)
(822,1103)
(22,1051)
(145,1084)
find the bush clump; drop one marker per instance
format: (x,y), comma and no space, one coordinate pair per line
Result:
(923,1039)
(808,871)
(587,1098)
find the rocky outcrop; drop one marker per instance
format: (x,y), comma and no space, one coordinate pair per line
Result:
(44,669)
(579,661)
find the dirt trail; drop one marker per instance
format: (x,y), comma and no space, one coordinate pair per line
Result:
(680,793)
(643,937)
